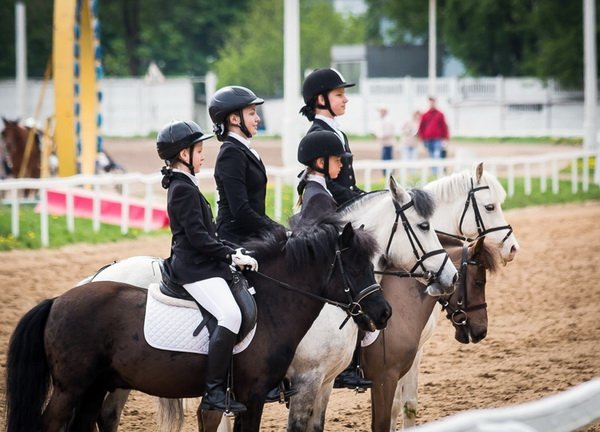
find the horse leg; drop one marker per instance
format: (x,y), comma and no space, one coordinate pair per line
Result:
(408,390)
(382,397)
(212,421)
(112,408)
(249,421)
(318,416)
(58,411)
(86,414)
(302,406)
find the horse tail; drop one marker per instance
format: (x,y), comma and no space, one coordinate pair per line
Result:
(27,371)
(170,415)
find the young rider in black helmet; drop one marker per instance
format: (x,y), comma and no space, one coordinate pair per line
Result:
(199,261)
(324,93)
(239,172)
(321,152)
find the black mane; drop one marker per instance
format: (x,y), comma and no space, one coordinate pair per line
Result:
(310,241)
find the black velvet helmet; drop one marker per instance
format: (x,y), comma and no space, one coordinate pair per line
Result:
(321,81)
(318,144)
(230,99)
(177,136)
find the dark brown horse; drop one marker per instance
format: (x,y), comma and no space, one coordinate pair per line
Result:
(392,354)
(14,137)
(90,340)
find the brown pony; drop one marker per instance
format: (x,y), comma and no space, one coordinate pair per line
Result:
(392,354)
(14,137)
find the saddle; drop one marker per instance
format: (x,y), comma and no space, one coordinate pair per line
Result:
(242,293)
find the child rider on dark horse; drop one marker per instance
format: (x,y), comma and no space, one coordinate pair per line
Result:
(199,261)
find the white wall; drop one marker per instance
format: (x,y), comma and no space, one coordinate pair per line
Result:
(473,106)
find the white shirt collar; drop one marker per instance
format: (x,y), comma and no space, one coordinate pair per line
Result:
(240,138)
(191,177)
(319,179)
(333,124)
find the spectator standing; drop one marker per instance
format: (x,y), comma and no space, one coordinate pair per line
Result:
(433,130)
(385,134)
(410,137)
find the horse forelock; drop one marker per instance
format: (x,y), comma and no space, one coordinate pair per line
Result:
(423,202)
(490,257)
(457,186)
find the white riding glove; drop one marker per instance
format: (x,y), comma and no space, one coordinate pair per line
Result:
(244,261)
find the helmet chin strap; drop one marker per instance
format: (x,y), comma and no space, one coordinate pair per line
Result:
(190,163)
(242,125)
(327,105)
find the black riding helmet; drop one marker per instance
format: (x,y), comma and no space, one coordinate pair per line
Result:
(320,81)
(228,100)
(173,138)
(318,144)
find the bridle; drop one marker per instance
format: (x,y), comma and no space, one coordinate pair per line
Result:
(458,316)
(481,229)
(414,242)
(353,307)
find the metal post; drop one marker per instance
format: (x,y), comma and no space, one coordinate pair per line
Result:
(590,75)
(21,58)
(291,82)
(432,47)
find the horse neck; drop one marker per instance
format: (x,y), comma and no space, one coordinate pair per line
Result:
(286,315)
(412,308)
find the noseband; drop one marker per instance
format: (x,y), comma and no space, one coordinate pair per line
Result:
(414,242)
(458,316)
(481,230)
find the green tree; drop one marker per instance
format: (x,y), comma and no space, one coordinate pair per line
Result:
(253,53)
(182,37)
(542,38)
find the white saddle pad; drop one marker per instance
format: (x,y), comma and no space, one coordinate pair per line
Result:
(369,338)
(169,325)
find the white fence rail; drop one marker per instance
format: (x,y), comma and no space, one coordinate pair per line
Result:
(410,173)
(563,412)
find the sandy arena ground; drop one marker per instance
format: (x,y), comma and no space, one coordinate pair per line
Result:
(544,332)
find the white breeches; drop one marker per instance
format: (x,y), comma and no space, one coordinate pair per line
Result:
(215,296)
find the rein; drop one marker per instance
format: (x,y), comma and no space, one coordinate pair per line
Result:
(352,307)
(481,230)
(459,316)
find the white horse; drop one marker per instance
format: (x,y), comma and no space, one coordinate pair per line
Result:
(467,206)
(399,220)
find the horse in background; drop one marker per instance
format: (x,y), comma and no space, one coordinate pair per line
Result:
(14,142)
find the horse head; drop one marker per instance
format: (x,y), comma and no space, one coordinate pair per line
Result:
(332,258)
(400,221)
(466,308)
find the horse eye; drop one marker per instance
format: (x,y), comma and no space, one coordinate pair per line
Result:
(490,207)
(424,226)
(480,284)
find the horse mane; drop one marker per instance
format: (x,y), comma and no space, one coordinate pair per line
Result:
(422,200)
(312,240)
(446,189)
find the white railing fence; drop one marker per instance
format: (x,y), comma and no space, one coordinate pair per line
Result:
(133,187)
(567,411)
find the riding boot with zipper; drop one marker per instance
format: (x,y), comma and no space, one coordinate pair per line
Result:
(352,377)
(219,358)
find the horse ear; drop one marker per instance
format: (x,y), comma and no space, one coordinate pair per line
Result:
(398,191)
(4,120)
(479,172)
(347,235)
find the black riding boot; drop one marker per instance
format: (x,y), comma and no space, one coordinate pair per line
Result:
(219,358)
(352,377)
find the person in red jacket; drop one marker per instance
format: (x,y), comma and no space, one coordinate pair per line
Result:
(433,130)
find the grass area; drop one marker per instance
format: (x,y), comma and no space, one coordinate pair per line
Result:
(29,229)
(59,236)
